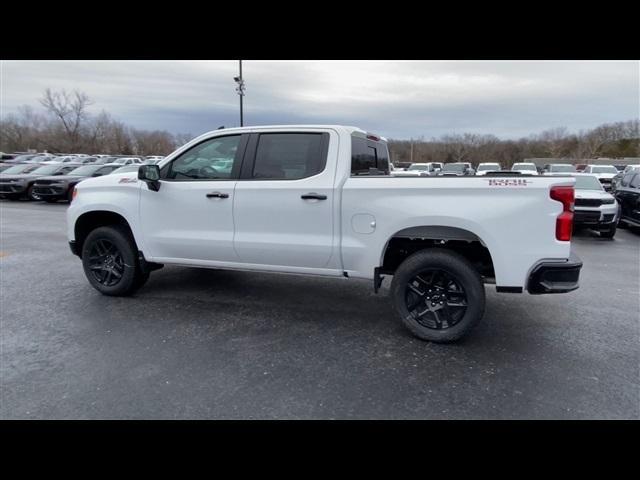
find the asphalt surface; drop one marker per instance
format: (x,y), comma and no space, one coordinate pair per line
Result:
(228,345)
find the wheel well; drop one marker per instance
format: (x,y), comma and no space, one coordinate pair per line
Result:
(87,222)
(408,241)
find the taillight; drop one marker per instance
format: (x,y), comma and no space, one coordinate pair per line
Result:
(564,222)
(74,193)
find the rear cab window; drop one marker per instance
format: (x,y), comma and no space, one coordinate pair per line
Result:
(369,156)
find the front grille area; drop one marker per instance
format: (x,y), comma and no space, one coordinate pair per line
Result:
(9,188)
(588,202)
(586,217)
(47,190)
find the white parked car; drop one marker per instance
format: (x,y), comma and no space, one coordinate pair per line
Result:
(418,170)
(319,200)
(604,173)
(456,169)
(125,161)
(594,207)
(483,168)
(559,169)
(525,168)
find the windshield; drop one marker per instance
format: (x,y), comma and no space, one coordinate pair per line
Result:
(86,170)
(488,166)
(46,169)
(454,167)
(523,166)
(604,169)
(18,169)
(587,182)
(418,167)
(562,168)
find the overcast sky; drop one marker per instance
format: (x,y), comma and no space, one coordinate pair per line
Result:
(394,99)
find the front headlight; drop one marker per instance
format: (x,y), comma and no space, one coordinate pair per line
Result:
(608,201)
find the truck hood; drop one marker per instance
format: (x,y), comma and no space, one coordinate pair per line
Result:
(62,178)
(592,194)
(117,179)
(19,176)
(407,173)
(603,175)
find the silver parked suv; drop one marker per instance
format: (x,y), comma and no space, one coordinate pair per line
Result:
(594,208)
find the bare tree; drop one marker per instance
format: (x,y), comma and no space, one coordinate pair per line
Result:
(70,109)
(554,140)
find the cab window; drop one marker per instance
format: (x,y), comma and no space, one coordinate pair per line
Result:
(210,160)
(289,156)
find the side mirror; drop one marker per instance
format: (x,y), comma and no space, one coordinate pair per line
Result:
(151,175)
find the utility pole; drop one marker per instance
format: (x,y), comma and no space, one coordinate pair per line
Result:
(412,150)
(240,89)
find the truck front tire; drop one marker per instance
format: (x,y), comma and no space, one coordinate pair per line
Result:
(109,259)
(438,294)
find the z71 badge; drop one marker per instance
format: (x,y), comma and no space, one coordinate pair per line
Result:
(128,180)
(508,182)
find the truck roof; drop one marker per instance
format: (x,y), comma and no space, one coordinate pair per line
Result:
(349,129)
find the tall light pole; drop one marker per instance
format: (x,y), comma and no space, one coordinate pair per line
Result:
(240,90)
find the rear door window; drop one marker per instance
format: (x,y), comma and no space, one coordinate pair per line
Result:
(289,156)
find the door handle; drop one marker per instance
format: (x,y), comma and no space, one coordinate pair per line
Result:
(313,196)
(217,195)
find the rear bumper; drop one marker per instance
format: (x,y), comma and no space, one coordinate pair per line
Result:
(555,277)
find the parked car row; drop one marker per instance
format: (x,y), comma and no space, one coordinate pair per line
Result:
(608,175)
(9,160)
(77,158)
(51,181)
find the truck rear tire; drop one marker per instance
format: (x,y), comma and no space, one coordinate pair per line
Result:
(109,259)
(438,294)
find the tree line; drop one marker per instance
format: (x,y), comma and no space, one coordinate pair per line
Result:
(64,124)
(613,140)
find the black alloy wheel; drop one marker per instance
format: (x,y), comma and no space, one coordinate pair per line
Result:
(438,294)
(106,263)
(436,299)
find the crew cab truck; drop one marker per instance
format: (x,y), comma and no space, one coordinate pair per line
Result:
(319,200)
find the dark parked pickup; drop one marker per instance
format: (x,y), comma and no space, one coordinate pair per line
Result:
(54,188)
(628,196)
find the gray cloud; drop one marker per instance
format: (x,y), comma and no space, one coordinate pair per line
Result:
(395,99)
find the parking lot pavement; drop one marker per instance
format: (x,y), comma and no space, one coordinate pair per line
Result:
(218,344)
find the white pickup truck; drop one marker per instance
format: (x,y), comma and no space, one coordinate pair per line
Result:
(319,200)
